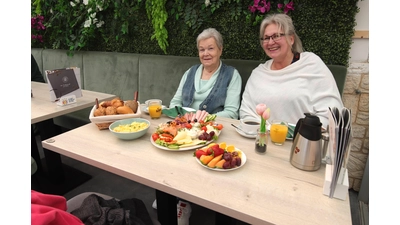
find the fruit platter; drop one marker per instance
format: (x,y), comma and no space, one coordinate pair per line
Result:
(220,157)
(181,133)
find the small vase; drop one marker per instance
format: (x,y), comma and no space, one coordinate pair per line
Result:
(261,142)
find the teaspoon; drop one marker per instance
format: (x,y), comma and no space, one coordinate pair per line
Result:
(242,130)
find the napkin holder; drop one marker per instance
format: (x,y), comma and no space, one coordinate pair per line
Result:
(342,186)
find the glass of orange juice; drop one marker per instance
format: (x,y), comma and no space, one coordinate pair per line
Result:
(155,108)
(278,131)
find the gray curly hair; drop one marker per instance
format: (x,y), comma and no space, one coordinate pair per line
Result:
(209,33)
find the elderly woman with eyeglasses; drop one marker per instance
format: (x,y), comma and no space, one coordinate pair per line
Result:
(292,82)
(212,85)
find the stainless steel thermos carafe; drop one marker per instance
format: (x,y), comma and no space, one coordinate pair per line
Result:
(306,153)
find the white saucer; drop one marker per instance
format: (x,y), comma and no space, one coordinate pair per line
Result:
(245,135)
(146,109)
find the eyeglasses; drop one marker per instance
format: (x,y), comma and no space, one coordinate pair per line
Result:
(275,37)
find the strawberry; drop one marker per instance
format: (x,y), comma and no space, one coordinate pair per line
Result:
(198,153)
(217,150)
(210,151)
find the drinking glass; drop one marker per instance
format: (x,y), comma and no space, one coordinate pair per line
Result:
(278,131)
(155,108)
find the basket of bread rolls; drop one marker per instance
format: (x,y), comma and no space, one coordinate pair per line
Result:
(107,112)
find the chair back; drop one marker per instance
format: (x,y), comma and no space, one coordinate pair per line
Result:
(339,73)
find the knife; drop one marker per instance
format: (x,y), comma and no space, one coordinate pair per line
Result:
(177,111)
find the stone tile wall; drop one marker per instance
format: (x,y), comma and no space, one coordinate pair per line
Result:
(356,98)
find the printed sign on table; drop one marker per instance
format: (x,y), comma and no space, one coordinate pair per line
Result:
(64,82)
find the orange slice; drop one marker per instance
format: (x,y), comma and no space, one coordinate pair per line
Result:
(230,148)
(222,145)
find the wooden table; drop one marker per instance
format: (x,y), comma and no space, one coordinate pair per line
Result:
(42,108)
(266,190)
(43,111)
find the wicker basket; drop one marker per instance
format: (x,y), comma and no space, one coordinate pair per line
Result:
(103,122)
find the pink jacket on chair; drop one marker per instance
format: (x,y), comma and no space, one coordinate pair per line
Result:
(49,209)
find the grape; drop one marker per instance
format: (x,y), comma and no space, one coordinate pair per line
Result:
(227,156)
(209,137)
(227,165)
(233,162)
(238,161)
(234,154)
(212,133)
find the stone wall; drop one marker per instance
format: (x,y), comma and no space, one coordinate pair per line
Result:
(356,98)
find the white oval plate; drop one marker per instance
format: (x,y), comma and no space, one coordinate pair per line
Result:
(146,110)
(180,149)
(244,160)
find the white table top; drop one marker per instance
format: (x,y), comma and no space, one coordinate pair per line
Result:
(42,108)
(266,190)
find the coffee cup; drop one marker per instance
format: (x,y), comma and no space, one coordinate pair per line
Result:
(249,125)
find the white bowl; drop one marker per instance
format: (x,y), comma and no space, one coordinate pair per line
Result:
(129,135)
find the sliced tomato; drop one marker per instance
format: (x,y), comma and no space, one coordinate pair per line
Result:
(188,126)
(155,136)
(204,129)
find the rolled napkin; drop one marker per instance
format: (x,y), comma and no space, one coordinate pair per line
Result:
(290,131)
(171,112)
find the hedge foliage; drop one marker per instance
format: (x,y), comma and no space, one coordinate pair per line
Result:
(325,27)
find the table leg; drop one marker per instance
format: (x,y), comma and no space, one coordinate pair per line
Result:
(53,177)
(222,219)
(166,208)
(35,150)
(53,162)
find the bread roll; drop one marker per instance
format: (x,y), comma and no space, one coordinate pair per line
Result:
(101,111)
(131,104)
(124,110)
(111,110)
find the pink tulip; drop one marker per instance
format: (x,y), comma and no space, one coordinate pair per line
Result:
(260,108)
(265,114)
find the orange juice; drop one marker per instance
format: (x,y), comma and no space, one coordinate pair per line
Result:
(155,110)
(278,133)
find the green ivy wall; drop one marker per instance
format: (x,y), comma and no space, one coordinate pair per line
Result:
(325,27)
